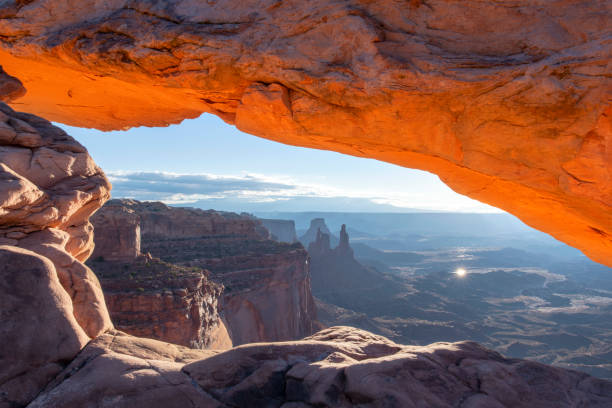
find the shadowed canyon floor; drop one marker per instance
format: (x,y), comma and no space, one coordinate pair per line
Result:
(520,302)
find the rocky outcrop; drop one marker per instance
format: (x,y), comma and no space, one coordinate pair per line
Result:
(38,331)
(338,367)
(117,234)
(335,273)
(148,297)
(154,299)
(281,230)
(49,188)
(50,303)
(266,294)
(508,102)
(10,87)
(317,226)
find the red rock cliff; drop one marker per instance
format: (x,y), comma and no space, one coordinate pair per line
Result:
(267,284)
(148,297)
(507,101)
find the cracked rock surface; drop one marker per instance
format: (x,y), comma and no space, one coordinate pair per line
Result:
(337,367)
(507,101)
(49,187)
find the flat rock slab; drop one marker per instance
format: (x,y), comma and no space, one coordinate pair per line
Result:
(337,367)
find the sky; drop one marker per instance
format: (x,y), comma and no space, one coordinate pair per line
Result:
(207,163)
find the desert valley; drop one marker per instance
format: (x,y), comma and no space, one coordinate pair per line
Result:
(142,294)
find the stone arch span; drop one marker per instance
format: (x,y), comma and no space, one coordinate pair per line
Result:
(509,102)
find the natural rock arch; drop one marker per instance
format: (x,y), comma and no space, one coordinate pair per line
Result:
(508,102)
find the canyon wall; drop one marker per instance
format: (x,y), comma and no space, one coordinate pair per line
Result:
(266,294)
(508,102)
(158,300)
(148,297)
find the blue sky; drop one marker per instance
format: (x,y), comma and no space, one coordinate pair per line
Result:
(205,162)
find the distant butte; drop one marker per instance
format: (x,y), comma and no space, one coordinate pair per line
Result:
(508,102)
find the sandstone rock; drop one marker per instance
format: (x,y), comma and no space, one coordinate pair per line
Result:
(508,102)
(116,370)
(338,367)
(117,234)
(267,284)
(49,186)
(154,299)
(39,335)
(317,225)
(10,87)
(336,274)
(148,297)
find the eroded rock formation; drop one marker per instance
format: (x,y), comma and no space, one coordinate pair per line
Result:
(508,102)
(50,186)
(317,227)
(336,274)
(266,294)
(148,297)
(50,303)
(338,367)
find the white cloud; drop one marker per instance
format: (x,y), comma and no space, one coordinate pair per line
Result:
(256,189)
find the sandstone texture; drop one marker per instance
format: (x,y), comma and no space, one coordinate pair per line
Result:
(154,299)
(49,187)
(266,295)
(117,234)
(337,367)
(39,334)
(507,101)
(148,297)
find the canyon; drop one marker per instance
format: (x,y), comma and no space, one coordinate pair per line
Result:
(508,102)
(266,284)
(148,297)
(539,301)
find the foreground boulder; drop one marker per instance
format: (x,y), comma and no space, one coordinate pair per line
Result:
(338,367)
(51,304)
(39,334)
(508,102)
(49,186)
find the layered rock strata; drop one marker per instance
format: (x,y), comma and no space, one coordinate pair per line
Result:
(148,297)
(49,188)
(338,367)
(51,304)
(508,102)
(266,294)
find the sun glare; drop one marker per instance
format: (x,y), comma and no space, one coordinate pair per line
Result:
(460,272)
